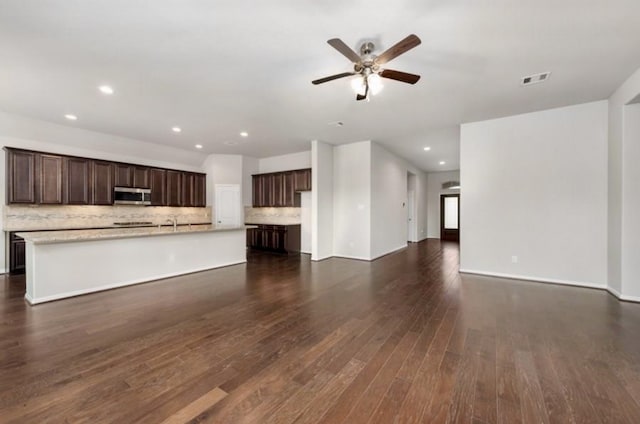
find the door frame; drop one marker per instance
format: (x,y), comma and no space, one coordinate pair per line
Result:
(449,235)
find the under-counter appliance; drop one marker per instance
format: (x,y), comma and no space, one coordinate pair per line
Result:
(131,196)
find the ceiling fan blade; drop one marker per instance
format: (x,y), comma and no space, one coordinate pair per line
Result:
(399,48)
(332,77)
(339,45)
(400,76)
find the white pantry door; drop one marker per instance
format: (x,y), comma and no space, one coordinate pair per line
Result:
(227,204)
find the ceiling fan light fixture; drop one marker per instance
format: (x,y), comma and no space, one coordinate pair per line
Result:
(375,84)
(358,85)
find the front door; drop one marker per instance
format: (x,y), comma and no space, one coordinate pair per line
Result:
(450,217)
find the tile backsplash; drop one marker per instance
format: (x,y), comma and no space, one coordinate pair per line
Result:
(275,216)
(40,217)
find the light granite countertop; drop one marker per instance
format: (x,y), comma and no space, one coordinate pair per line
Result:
(62,236)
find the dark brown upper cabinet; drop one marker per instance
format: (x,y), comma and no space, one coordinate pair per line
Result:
(256,191)
(102,183)
(277,187)
(174,188)
(200,190)
(289,189)
(188,180)
(77,180)
(268,199)
(141,177)
(302,179)
(158,186)
(280,189)
(50,171)
(124,175)
(193,189)
(45,178)
(21,177)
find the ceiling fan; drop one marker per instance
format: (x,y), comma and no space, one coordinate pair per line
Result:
(367,65)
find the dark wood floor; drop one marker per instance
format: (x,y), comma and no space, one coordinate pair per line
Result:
(404,339)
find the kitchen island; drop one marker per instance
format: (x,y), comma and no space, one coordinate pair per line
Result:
(61,264)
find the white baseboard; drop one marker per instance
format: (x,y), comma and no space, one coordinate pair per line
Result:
(357,258)
(621,296)
(535,279)
(362,258)
(404,246)
(611,290)
(321,258)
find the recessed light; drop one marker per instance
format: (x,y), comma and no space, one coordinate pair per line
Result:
(71,117)
(105,89)
(426,149)
(244,134)
(442,162)
(198,146)
(176,129)
(230,142)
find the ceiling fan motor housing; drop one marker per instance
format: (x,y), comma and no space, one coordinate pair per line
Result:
(367,48)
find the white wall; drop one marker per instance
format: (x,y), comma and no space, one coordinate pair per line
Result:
(369,188)
(434,190)
(250,166)
(301,160)
(422,201)
(321,200)
(622,160)
(352,200)
(222,169)
(305,220)
(22,132)
(631,203)
(535,186)
(388,202)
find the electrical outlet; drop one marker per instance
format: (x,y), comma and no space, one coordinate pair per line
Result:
(514,259)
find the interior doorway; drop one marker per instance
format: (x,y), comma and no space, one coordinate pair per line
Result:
(450,217)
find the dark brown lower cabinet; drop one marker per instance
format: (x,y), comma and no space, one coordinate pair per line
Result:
(17,254)
(275,238)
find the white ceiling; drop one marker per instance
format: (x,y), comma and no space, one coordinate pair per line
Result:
(216,68)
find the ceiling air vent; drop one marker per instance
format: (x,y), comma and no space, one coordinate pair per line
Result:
(534,79)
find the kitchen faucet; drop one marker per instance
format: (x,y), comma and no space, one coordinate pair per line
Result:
(174,221)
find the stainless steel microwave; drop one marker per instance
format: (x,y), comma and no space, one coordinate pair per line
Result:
(131,196)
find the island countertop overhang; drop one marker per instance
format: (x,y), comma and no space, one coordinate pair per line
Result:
(67,236)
